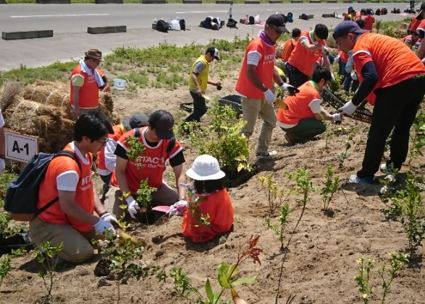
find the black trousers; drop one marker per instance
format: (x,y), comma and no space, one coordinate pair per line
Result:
(395,108)
(199,108)
(296,78)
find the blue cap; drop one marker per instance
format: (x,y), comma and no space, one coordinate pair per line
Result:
(346,27)
(350,8)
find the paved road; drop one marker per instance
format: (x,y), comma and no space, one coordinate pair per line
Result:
(70,22)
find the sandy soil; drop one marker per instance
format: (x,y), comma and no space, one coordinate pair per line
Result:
(321,262)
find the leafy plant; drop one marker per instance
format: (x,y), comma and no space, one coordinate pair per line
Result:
(144,194)
(407,207)
(5,264)
(347,146)
(417,137)
(283,219)
(47,256)
(386,272)
(275,196)
(329,189)
(135,150)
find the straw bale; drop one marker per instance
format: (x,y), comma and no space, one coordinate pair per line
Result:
(106,103)
(47,95)
(279,49)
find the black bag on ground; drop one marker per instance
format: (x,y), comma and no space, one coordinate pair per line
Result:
(251,20)
(206,23)
(22,194)
(162,26)
(182,24)
(231,23)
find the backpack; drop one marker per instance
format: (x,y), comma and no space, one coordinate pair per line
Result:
(182,24)
(22,194)
(378,12)
(162,26)
(251,20)
(231,23)
(384,11)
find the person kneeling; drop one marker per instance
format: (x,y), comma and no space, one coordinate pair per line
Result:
(303,116)
(210,211)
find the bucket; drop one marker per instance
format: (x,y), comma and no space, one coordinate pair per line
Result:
(119,84)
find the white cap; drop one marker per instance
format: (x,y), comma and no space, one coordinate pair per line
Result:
(205,167)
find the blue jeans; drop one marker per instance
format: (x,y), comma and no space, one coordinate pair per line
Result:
(199,108)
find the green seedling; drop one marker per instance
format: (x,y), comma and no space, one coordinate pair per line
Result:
(387,273)
(47,256)
(348,145)
(135,150)
(6,265)
(275,196)
(417,137)
(329,189)
(283,219)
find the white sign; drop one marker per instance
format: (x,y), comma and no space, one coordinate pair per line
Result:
(20,147)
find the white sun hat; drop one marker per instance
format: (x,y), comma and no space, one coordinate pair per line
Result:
(205,167)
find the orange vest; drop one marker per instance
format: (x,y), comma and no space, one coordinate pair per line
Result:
(151,164)
(118,132)
(343,56)
(264,69)
(288,47)
(89,92)
(298,105)
(83,194)
(393,60)
(369,19)
(414,24)
(218,207)
(303,59)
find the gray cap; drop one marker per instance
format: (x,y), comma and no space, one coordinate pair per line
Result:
(137,120)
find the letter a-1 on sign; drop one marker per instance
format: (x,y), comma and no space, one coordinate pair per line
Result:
(20,147)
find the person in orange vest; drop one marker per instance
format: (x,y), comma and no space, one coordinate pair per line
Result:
(255,83)
(84,83)
(307,51)
(303,118)
(399,86)
(70,220)
(289,45)
(421,31)
(412,41)
(209,201)
(106,87)
(368,18)
(106,159)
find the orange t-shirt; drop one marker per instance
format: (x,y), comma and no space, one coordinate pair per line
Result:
(343,56)
(369,20)
(118,132)
(414,24)
(219,208)
(298,105)
(393,60)
(288,47)
(89,92)
(84,194)
(151,165)
(303,59)
(264,70)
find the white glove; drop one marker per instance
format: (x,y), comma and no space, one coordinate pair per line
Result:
(178,208)
(332,77)
(2,166)
(353,75)
(107,217)
(337,57)
(102,226)
(336,117)
(133,208)
(269,97)
(349,108)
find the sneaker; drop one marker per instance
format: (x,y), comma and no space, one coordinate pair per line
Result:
(267,154)
(290,139)
(387,170)
(354,179)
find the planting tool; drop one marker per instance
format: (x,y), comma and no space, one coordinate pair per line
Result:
(161,208)
(363,115)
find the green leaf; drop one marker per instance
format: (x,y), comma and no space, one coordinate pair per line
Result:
(225,272)
(244,281)
(209,291)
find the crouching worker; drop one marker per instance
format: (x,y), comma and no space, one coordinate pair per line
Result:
(70,220)
(210,211)
(303,117)
(157,143)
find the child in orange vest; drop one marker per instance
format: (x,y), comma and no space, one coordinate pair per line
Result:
(210,211)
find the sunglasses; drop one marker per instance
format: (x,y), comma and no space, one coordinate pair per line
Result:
(103,142)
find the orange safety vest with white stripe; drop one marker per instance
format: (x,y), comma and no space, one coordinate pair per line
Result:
(119,130)
(84,196)
(89,92)
(393,60)
(298,105)
(264,70)
(303,59)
